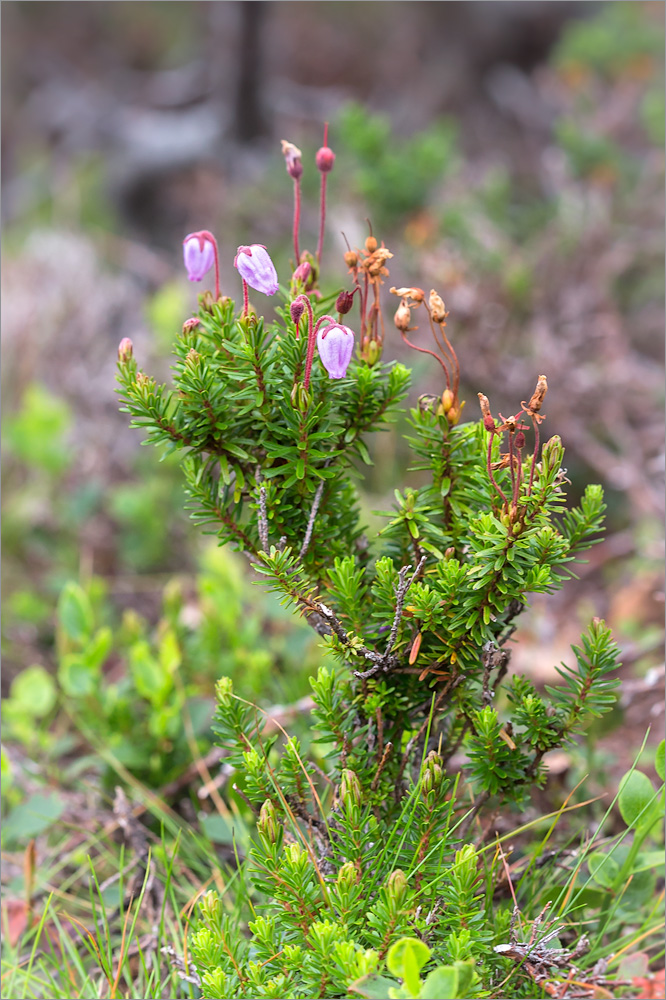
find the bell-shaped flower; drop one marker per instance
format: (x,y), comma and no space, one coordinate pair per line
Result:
(335,343)
(199,256)
(257,269)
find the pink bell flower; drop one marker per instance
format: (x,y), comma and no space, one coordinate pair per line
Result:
(199,255)
(257,269)
(335,343)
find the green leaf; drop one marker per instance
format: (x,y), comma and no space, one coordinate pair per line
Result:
(217,829)
(441,984)
(373,987)
(445,488)
(659,761)
(99,648)
(648,861)
(466,976)
(603,869)
(75,612)
(32,817)
(405,959)
(33,691)
(169,650)
(77,678)
(637,800)
(363,452)
(152,682)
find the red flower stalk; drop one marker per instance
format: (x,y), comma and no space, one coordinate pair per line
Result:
(324,160)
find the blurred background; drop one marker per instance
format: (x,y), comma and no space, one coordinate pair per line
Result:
(511,156)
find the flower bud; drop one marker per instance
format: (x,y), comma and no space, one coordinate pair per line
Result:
(207,302)
(344,302)
(191,324)
(347,876)
(396,885)
(437,307)
(302,272)
(293,853)
(373,353)
(431,775)
(552,452)
(292,156)
(224,691)
(297,309)
(450,552)
(198,256)
(300,398)
(256,268)
(448,399)
(125,350)
(403,316)
(325,159)
(335,344)
(192,357)
(267,824)
(350,788)
(520,440)
(209,904)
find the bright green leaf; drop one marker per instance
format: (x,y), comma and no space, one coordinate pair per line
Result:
(659,761)
(34,691)
(75,612)
(441,984)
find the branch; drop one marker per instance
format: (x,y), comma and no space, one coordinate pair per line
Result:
(387,661)
(311,521)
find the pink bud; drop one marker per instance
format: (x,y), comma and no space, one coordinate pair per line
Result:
(257,269)
(302,272)
(335,343)
(296,309)
(125,350)
(199,256)
(325,159)
(345,301)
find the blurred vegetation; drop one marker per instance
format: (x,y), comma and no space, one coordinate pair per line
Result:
(109,670)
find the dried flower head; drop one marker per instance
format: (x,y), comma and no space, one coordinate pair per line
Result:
(292,156)
(375,264)
(488,419)
(538,396)
(437,307)
(403,316)
(351,259)
(416,294)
